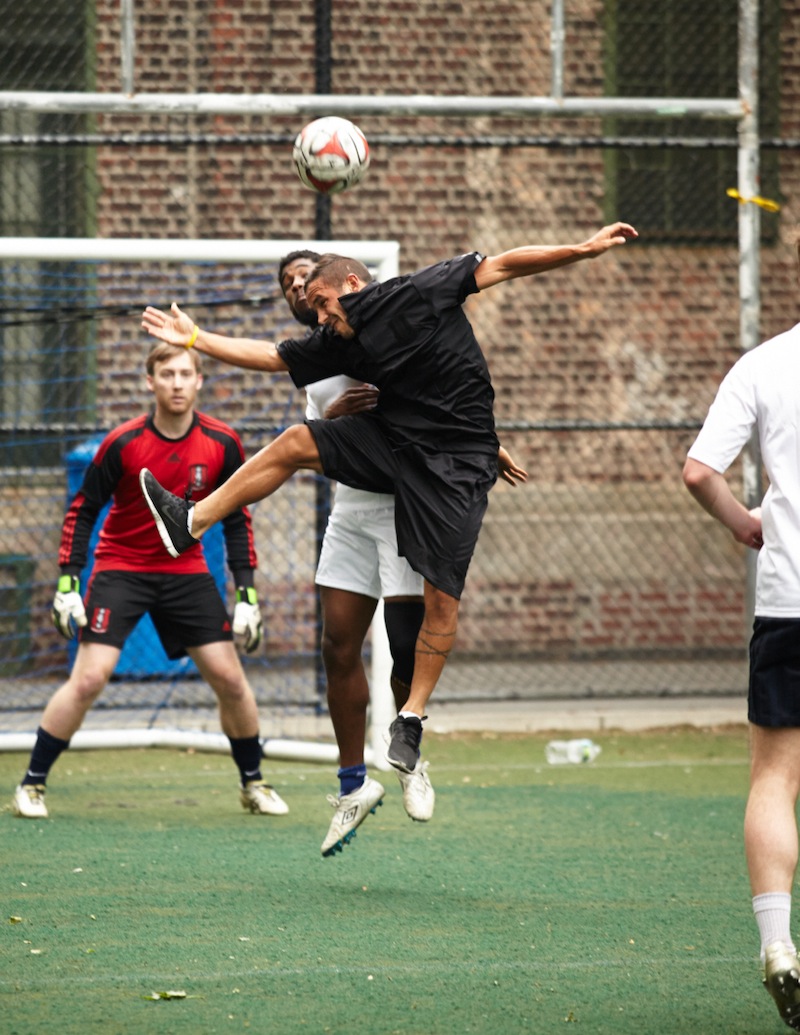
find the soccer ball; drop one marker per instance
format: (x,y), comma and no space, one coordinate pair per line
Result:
(330,154)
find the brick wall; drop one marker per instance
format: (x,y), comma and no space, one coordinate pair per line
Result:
(646,333)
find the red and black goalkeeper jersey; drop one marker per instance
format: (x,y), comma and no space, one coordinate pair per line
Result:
(197,463)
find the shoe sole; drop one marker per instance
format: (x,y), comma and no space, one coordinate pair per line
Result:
(396,763)
(783,984)
(419,819)
(162,528)
(348,837)
(782,995)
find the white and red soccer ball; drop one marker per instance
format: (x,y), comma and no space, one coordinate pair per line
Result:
(330,154)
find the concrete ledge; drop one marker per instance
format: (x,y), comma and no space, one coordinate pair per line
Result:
(573,716)
(590,716)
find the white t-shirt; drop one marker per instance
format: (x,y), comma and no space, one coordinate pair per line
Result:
(762,390)
(319,396)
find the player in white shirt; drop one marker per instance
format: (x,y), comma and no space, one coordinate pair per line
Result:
(762,393)
(358,566)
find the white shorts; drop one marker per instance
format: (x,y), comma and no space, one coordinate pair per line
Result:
(359,554)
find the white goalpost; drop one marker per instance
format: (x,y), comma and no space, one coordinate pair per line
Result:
(382,258)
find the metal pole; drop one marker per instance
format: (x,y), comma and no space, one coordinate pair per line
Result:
(382,255)
(127,46)
(323,57)
(352,105)
(749,244)
(323,36)
(557,49)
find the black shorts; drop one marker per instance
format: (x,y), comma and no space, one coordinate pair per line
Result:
(186,610)
(440,498)
(774,692)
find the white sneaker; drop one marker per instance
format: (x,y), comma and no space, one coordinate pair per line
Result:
(28,801)
(782,981)
(418,794)
(262,800)
(351,811)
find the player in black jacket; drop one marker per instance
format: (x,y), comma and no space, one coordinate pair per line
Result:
(430,440)
(193,453)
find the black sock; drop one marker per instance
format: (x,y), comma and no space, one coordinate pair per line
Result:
(45,752)
(246,753)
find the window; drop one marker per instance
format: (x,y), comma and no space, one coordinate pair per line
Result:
(678,48)
(44,192)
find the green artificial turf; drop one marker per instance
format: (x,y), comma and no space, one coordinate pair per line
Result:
(611,897)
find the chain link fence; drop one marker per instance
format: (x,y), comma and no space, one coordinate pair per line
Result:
(598,577)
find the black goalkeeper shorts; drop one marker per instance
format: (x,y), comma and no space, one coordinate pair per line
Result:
(186,610)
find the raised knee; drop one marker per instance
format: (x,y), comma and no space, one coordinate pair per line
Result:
(301,446)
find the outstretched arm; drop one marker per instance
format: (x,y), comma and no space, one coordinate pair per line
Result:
(713,493)
(176,328)
(528,261)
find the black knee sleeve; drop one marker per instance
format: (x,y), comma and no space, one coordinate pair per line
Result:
(403,620)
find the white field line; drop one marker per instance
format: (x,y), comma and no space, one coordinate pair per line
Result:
(153,980)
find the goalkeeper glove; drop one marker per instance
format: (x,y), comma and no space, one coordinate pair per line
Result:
(68,610)
(247,625)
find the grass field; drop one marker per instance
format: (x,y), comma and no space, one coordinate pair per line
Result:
(610,898)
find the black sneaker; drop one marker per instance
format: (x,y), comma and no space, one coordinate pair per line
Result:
(170,512)
(403,752)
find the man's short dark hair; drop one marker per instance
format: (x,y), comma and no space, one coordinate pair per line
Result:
(334,269)
(302,253)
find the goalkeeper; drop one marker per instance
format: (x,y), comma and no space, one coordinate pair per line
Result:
(132,576)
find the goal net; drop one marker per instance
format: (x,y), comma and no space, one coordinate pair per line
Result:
(72,354)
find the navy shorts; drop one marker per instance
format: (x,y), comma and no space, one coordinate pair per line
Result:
(774,692)
(186,610)
(440,498)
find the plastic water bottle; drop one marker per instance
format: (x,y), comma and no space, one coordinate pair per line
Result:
(571,752)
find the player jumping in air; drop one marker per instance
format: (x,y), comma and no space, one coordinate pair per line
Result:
(430,440)
(358,564)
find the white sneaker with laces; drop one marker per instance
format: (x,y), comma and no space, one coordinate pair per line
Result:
(262,800)
(418,794)
(351,811)
(28,801)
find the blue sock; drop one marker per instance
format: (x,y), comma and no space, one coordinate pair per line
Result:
(351,778)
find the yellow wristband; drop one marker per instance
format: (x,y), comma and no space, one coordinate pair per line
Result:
(193,338)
